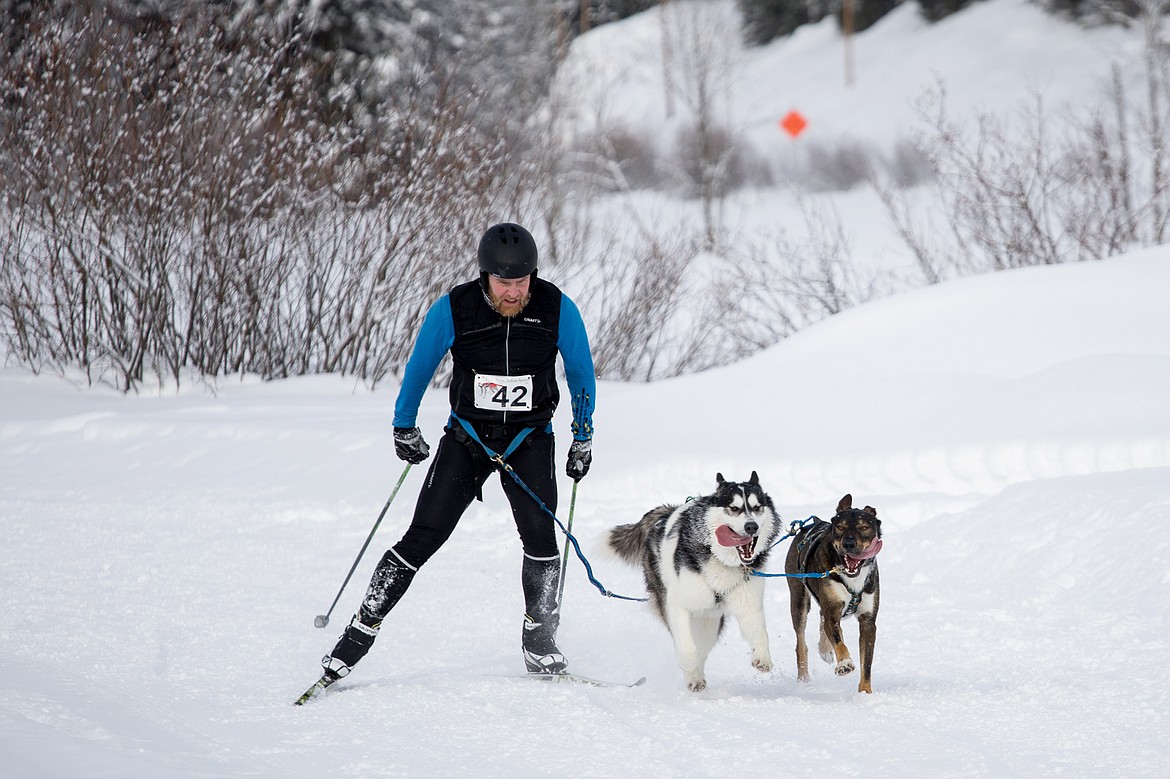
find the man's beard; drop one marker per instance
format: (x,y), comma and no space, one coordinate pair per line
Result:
(505,309)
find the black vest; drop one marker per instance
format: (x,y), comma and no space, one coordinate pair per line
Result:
(488,343)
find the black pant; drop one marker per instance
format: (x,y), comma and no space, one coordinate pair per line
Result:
(456,477)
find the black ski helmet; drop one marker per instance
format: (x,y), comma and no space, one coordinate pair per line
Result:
(506,251)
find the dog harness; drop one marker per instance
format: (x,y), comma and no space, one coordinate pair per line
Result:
(809,544)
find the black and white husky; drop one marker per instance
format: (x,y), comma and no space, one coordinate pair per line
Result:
(695,558)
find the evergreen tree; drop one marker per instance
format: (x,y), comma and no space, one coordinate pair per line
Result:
(867,12)
(933,10)
(766,20)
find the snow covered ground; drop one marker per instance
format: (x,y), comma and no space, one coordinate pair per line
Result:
(164,555)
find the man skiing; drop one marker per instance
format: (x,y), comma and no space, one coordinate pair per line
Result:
(503,332)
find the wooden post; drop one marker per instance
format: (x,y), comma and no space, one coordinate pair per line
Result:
(847,31)
(667,64)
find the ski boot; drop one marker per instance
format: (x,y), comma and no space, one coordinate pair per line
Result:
(387,586)
(542,616)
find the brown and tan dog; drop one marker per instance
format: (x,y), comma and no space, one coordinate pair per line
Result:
(847,546)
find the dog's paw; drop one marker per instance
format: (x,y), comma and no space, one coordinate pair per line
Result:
(697,686)
(844,668)
(762,664)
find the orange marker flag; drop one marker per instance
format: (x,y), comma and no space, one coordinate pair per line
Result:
(793,123)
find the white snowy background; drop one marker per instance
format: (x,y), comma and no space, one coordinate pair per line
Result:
(164,555)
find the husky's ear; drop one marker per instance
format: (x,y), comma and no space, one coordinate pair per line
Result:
(719,480)
(870,510)
(845,504)
(754,480)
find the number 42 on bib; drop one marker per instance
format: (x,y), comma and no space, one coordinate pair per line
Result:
(503,393)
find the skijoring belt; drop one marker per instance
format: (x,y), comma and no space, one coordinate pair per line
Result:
(496,457)
(492,454)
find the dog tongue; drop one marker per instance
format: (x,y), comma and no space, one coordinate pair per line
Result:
(728,537)
(874,547)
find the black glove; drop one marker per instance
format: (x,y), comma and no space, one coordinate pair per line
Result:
(410,446)
(580,457)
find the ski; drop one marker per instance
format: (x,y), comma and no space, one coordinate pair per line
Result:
(318,687)
(579,679)
(326,681)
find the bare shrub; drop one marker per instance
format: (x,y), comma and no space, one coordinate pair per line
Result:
(907,165)
(614,160)
(786,283)
(665,306)
(174,200)
(846,163)
(1049,188)
(707,162)
(636,158)
(632,337)
(837,167)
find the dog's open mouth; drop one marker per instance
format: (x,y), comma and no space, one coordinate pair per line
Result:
(853,562)
(744,545)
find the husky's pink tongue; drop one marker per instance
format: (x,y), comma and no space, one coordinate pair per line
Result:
(728,537)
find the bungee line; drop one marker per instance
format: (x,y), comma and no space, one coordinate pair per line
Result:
(794,527)
(498,459)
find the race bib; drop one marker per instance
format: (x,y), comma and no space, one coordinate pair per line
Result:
(503,393)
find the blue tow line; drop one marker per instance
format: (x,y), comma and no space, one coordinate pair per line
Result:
(498,459)
(820,575)
(795,527)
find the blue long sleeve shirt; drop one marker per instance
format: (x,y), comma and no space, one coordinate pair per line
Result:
(438,334)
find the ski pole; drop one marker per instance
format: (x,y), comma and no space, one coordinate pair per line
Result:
(321,620)
(568,529)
